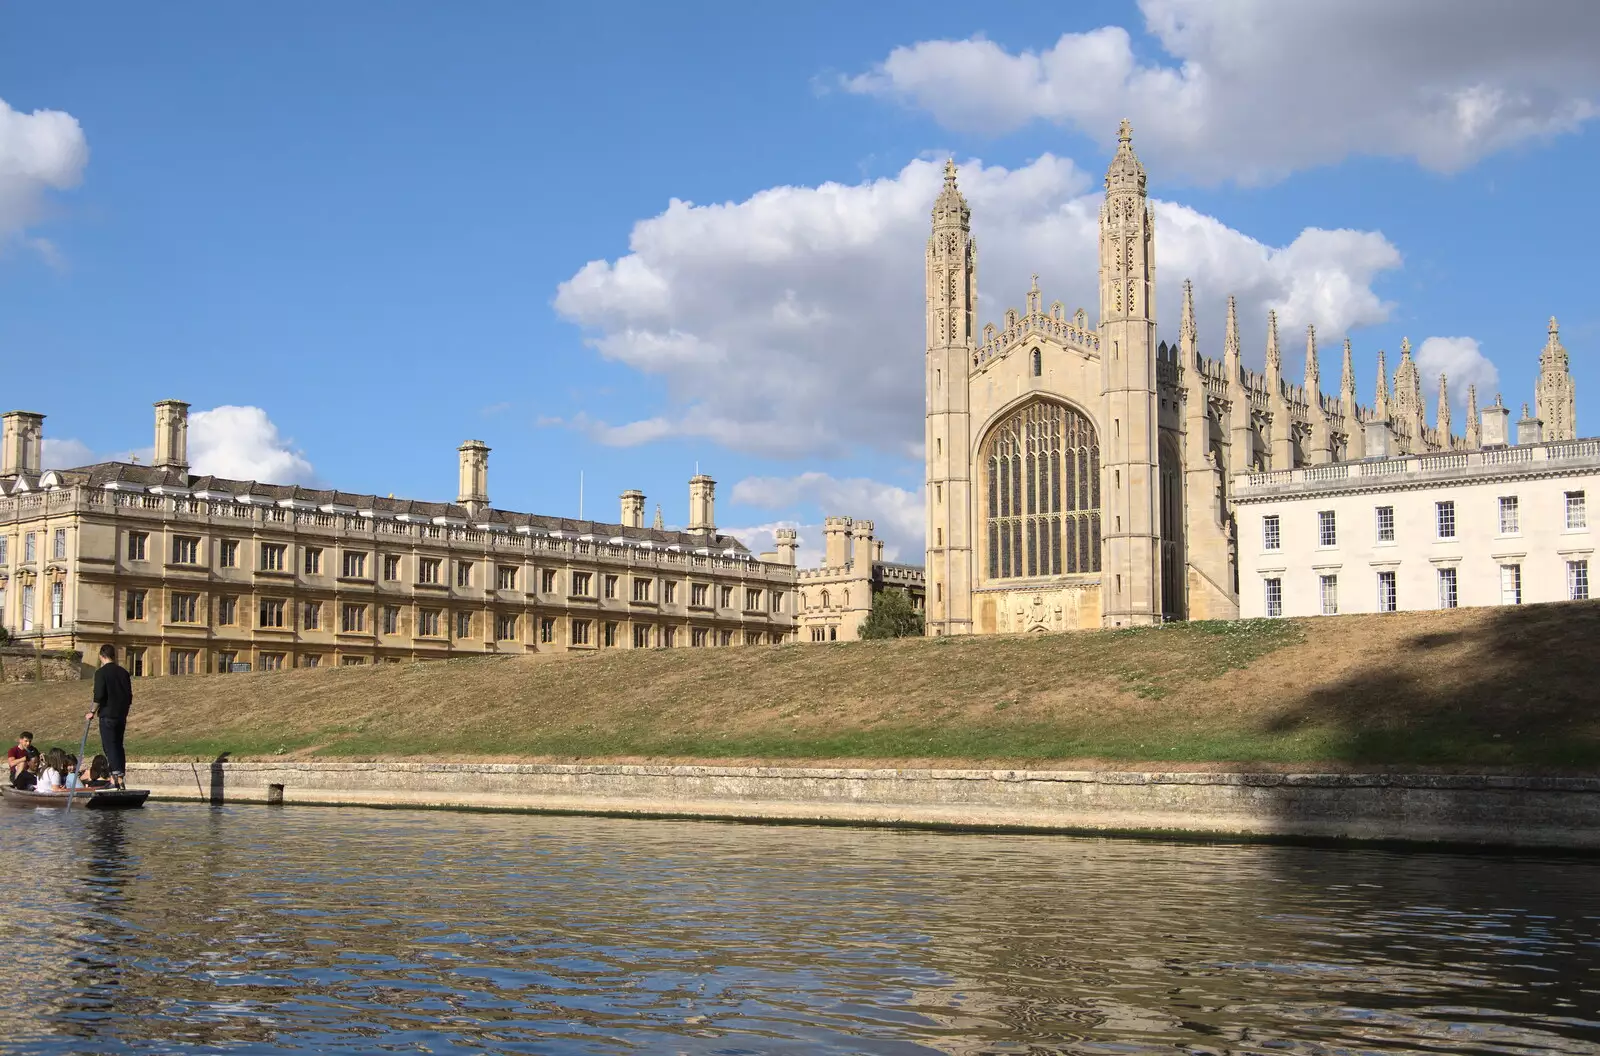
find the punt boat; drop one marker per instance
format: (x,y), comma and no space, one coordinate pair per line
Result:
(86,798)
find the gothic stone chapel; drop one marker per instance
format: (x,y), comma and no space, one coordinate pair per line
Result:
(1079,477)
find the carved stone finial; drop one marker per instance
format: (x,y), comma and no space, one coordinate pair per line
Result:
(1555,329)
(950,173)
(1405,349)
(1186,327)
(1274,357)
(1125,132)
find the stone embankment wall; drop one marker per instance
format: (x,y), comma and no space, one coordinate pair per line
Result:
(22,664)
(1490,811)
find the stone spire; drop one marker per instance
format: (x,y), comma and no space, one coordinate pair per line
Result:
(1354,440)
(1380,403)
(1313,372)
(1555,395)
(1408,394)
(657,525)
(1277,401)
(1474,435)
(1186,330)
(1274,356)
(1241,431)
(1319,445)
(1230,340)
(1442,419)
(1125,173)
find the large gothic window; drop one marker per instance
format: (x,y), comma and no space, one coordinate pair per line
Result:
(1043,493)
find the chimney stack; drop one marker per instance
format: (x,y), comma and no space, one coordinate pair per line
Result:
(21,443)
(172,436)
(836,542)
(1496,424)
(1530,430)
(788,545)
(474,493)
(1375,439)
(702,504)
(633,508)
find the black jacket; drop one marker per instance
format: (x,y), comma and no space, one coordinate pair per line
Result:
(113,690)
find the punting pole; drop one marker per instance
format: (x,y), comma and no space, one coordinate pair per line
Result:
(82,746)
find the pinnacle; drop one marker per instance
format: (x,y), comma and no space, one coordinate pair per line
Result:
(950,172)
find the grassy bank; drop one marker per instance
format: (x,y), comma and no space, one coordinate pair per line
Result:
(1472,688)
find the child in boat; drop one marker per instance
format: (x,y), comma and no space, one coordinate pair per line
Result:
(70,778)
(50,780)
(97,774)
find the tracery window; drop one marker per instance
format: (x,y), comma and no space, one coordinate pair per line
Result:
(1043,493)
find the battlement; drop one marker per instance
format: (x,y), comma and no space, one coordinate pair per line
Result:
(1073,332)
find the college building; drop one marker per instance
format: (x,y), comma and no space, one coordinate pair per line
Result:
(1504,525)
(1090,475)
(189,573)
(837,596)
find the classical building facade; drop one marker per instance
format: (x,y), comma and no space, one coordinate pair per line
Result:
(1499,526)
(190,573)
(836,597)
(1082,476)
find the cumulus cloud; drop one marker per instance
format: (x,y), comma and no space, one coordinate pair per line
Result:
(791,323)
(39,152)
(243,443)
(238,442)
(1250,90)
(1463,361)
(896,512)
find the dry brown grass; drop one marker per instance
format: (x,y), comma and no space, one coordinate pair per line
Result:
(1482,688)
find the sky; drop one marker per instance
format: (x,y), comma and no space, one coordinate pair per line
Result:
(625,243)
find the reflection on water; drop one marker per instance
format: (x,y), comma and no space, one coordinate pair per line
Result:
(185,928)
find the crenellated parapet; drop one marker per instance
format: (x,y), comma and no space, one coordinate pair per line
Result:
(1021,326)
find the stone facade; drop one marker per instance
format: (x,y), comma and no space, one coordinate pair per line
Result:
(1499,526)
(189,574)
(836,597)
(1082,477)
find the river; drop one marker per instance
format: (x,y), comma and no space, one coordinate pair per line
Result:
(186,928)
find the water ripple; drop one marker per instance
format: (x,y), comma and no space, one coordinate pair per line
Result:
(185,929)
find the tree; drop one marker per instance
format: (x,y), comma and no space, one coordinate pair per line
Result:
(892,616)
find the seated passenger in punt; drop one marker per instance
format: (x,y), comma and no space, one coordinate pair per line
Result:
(96,773)
(28,776)
(51,780)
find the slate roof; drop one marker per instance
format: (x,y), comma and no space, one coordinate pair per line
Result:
(103,473)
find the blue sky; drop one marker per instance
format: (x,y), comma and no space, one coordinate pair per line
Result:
(375,222)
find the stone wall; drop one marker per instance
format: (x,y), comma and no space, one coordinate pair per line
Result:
(22,664)
(1492,811)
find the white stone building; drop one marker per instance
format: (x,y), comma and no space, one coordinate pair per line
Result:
(1504,525)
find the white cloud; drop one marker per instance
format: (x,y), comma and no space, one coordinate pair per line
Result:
(243,443)
(896,512)
(1464,362)
(39,152)
(237,442)
(65,453)
(791,323)
(1249,90)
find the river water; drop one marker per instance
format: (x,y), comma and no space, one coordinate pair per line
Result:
(185,928)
